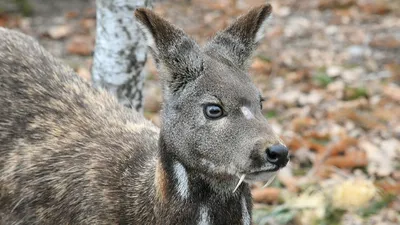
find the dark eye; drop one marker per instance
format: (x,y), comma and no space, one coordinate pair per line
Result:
(213,111)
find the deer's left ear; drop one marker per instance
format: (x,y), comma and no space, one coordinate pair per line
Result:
(239,40)
(176,54)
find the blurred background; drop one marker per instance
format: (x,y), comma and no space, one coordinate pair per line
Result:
(330,72)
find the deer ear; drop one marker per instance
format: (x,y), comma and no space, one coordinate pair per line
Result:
(177,55)
(238,42)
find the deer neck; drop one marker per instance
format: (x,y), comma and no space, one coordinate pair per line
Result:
(192,198)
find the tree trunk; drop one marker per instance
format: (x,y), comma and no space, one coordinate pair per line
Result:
(120,51)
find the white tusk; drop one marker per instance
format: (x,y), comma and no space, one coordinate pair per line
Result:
(240,181)
(269,181)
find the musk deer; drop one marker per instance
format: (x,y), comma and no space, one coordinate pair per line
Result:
(70,154)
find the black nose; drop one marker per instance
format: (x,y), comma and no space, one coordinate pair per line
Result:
(278,155)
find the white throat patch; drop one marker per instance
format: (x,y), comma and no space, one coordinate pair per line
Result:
(204,217)
(182,177)
(245,212)
(247,113)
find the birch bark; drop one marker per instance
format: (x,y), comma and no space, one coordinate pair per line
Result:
(120,51)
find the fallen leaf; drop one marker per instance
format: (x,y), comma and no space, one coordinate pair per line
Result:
(90,13)
(71,15)
(80,45)
(265,195)
(323,171)
(302,123)
(374,7)
(297,76)
(58,32)
(380,161)
(11,21)
(334,71)
(295,143)
(261,66)
(88,23)
(390,187)
(394,69)
(289,98)
(315,146)
(386,115)
(364,119)
(327,4)
(351,159)
(387,42)
(393,92)
(313,98)
(3,20)
(342,145)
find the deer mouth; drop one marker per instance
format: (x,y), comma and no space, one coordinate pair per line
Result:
(258,174)
(263,170)
(261,175)
(265,175)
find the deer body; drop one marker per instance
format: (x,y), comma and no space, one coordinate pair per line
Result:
(69,154)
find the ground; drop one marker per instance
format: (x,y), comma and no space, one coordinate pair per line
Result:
(330,71)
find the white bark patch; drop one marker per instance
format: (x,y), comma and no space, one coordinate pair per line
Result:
(204,216)
(245,212)
(247,113)
(120,51)
(182,178)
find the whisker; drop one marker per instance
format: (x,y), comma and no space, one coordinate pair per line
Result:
(269,181)
(240,181)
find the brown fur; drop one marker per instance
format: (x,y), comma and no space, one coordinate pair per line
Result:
(56,136)
(161,183)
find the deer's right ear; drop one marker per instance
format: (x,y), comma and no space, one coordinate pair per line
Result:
(238,42)
(177,55)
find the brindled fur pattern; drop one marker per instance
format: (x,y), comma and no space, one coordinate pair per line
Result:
(67,151)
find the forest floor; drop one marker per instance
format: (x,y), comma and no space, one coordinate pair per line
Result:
(330,71)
